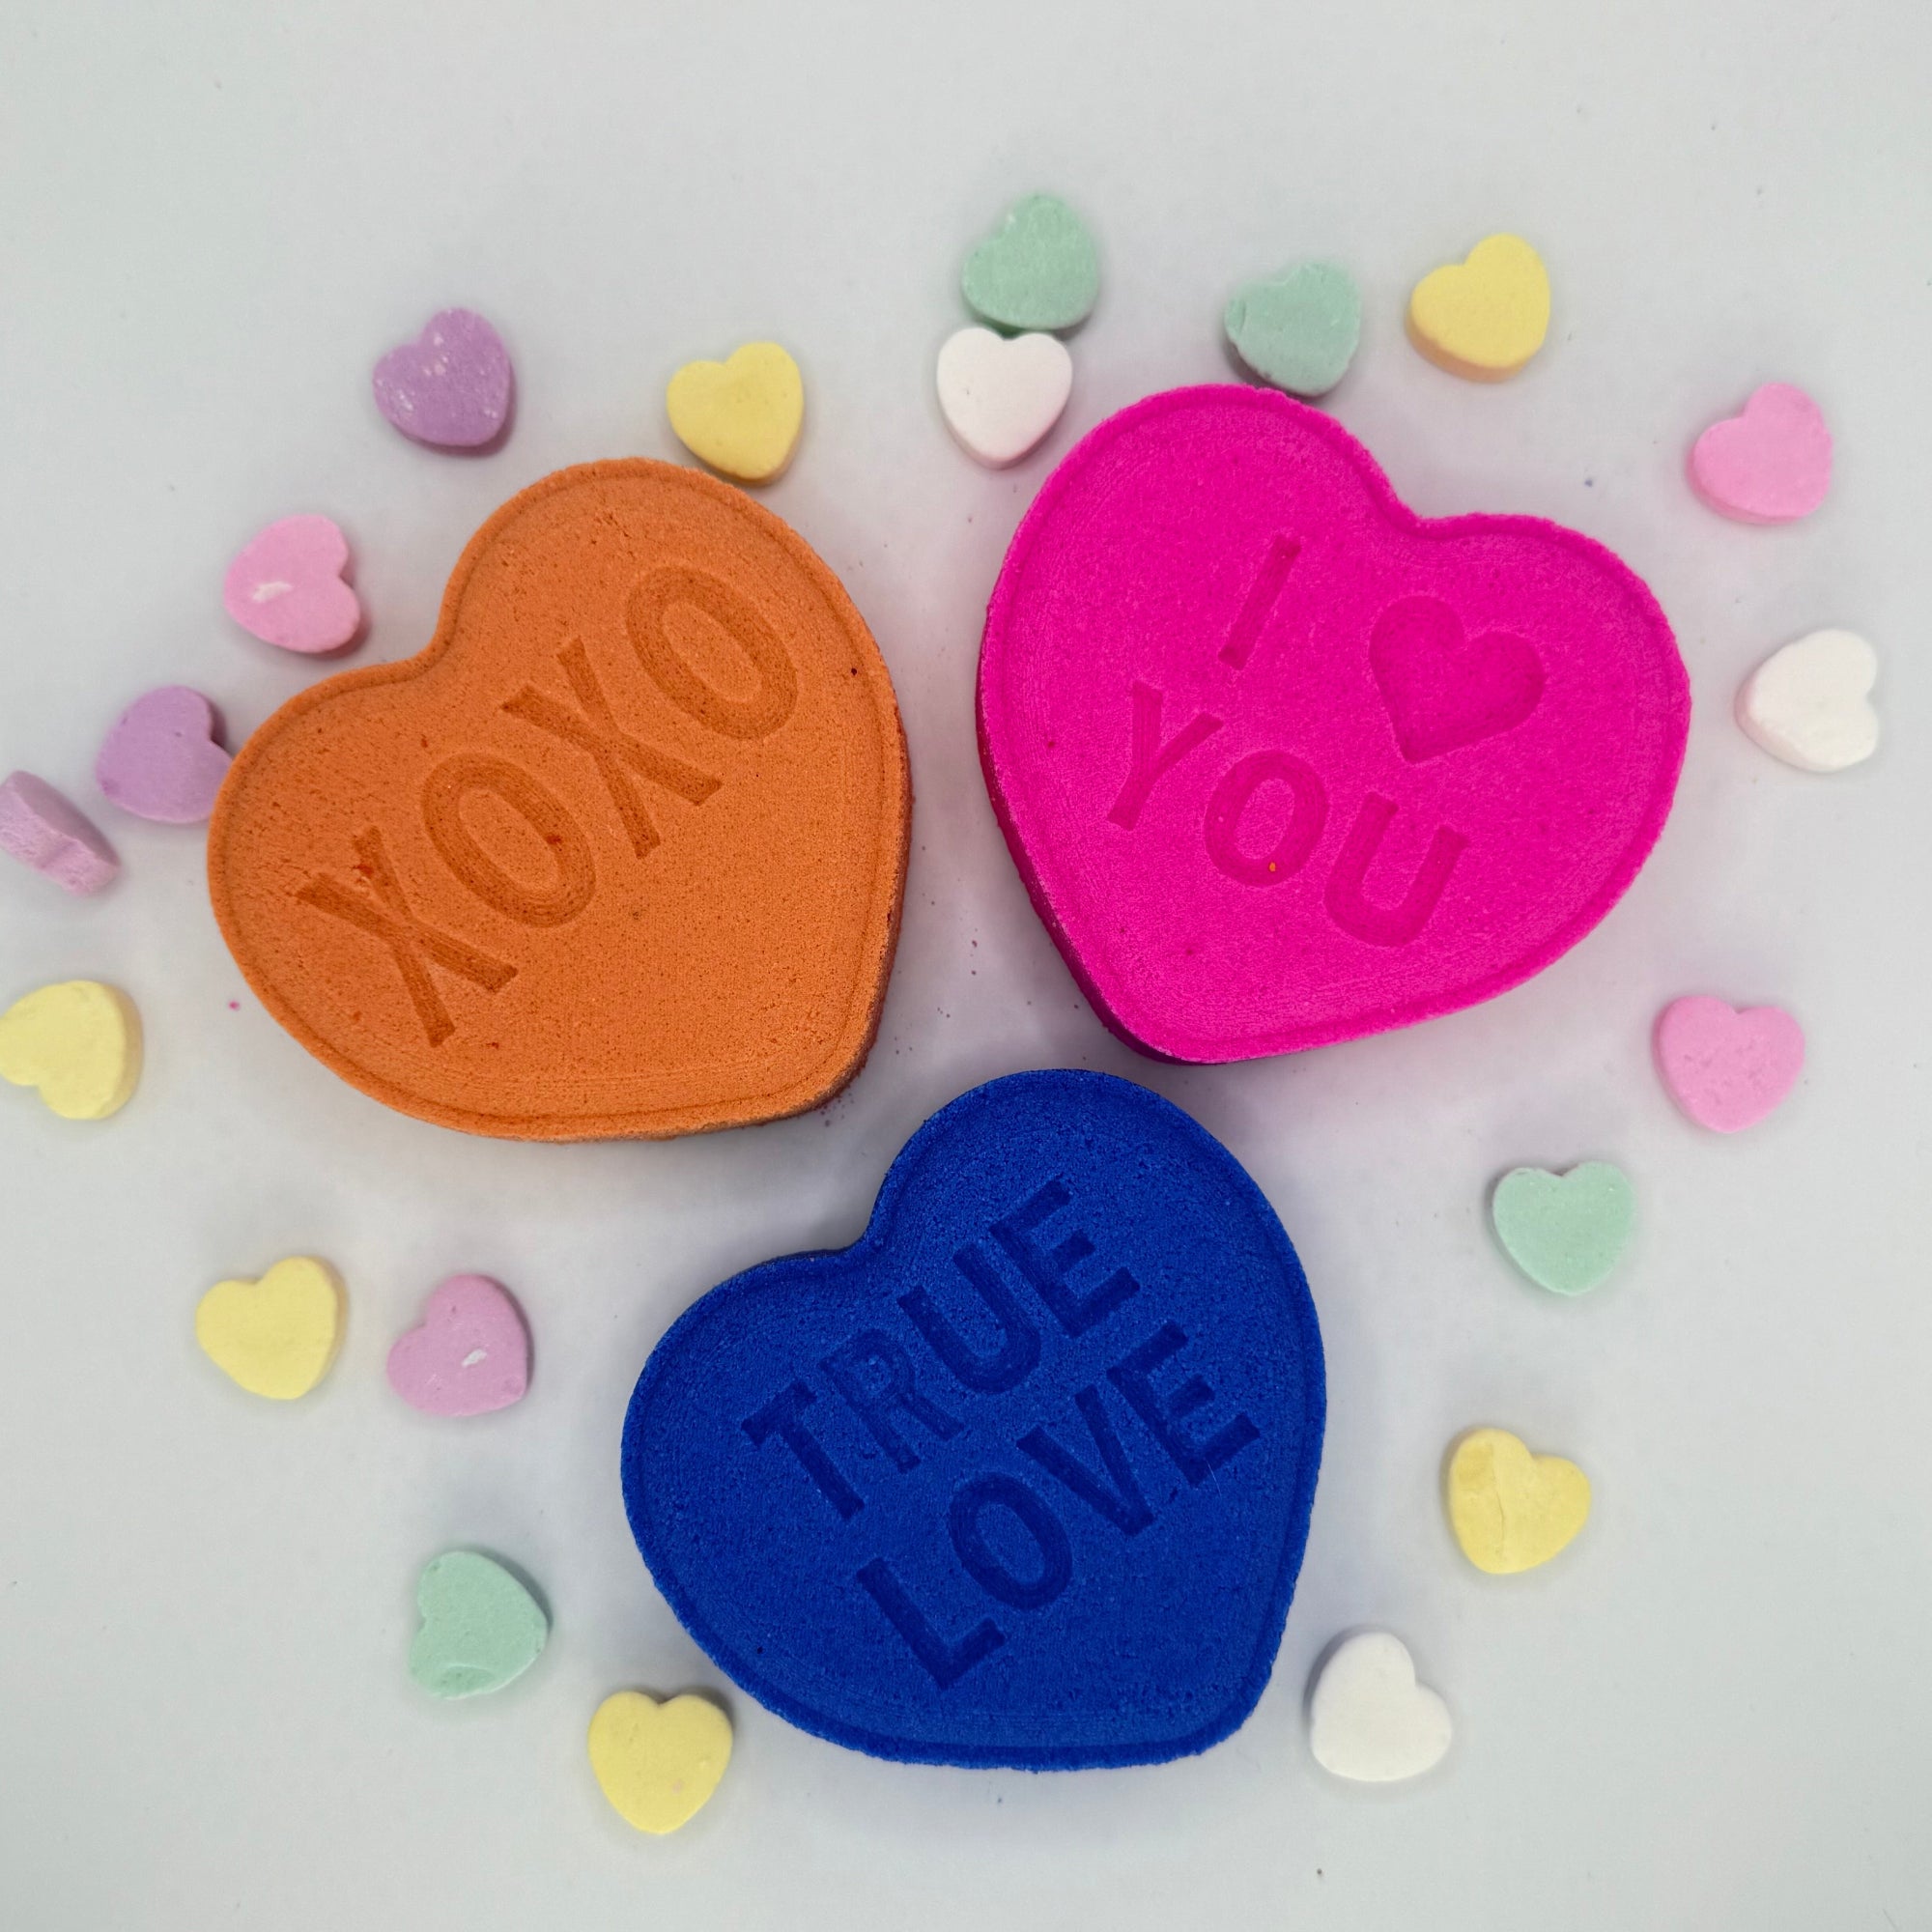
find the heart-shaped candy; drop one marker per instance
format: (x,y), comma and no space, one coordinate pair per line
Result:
(1023,1476)
(620,853)
(481,1629)
(1000,395)
(78,1042)
(277,1335)
(1770,465)
(1486,316)
(1280,762)
(286,586)
(470,1355)
(741,415)
(1038,270)
(658,1763)
(1512,1510)
(1811,704)
(1725,1067)
(48,833)
(162,759)
(1299,330)
(1564,1230)
(1368,1720)
(450,388)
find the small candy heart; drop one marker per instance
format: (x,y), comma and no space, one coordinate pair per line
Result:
(1510,1510)
(1368,1720)
(450,388)
(1564,1230)
(1000,395)
(286,586)
(1772,463)
(276,1336)
(658,1763)
(1724,1066)
(470,1355)
(80,1042)
(1486,316)
(742,415)
(162,759)
(43,830)
(481,1629)
(1809,705)
(1038,270)
(1298,331)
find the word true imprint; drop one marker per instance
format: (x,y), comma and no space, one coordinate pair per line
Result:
(1442,691)
(875,1376)
(625,764)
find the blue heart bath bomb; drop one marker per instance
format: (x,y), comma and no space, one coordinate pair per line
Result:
(1023,1476)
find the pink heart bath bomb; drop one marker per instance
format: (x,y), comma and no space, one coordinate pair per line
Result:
(1770,465)
(160,759)
(1281,763)
(1724,1067)
(470,1355)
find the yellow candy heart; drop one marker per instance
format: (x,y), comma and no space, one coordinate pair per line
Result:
(276,1336)
(741,416)
(1511,1510)
(658,1763)
(1484,317)
(80,1042)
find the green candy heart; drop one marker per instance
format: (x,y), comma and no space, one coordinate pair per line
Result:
(480,1628)
(1299,330)
(1040,269)
(1564,1230)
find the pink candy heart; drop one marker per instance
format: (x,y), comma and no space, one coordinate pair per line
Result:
(450,388)
(287,588)
(1724,1067)
(1281,764)
(1771,464)
(41,829)
(160,759)
(470,1355)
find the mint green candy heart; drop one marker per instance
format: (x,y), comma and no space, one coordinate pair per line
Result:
(1299,330)
(1564,1230)
(480,1628)
(1039,270)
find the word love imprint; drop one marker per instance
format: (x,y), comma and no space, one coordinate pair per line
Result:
(1022,1477)
(1281,763)
(620,853)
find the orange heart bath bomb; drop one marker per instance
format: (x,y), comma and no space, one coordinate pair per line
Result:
(620,853)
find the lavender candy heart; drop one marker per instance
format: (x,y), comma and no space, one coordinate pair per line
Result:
(160,759)
(450,388)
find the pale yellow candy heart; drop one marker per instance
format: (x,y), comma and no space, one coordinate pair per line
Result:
(80,1042)
(276,1336)
(1484,317)
(658,1763)
(742,415)
(1511,1510)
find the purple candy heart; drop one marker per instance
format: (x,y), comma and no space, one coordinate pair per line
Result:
(450,388)
(162,761)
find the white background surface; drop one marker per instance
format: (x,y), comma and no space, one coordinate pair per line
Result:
(1715,1711)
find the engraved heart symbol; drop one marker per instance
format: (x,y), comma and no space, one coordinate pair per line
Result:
(620,853)
(1444,689)
(1281,763)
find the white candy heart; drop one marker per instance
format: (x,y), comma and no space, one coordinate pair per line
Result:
(1000,395)
(1368,1720)
(1806,703)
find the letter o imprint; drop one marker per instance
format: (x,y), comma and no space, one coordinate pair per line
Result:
(970,1501)
(652,598)
(1308,814)
(540,809)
